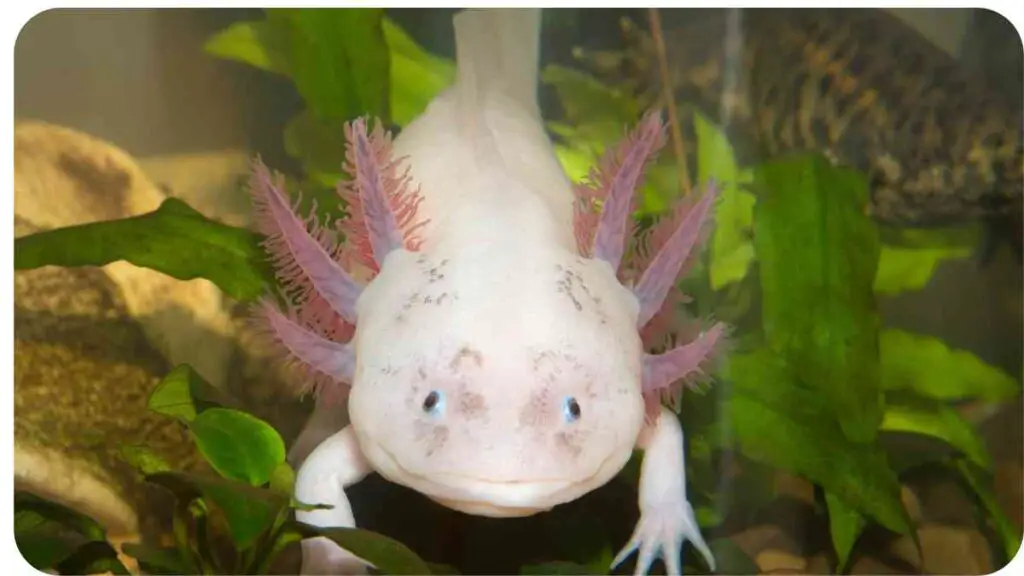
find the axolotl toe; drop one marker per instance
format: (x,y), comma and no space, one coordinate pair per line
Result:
(494,360)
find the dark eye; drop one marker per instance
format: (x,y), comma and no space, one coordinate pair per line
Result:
(434,402)
(571,410)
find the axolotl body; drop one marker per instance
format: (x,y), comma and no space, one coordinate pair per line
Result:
(494,360)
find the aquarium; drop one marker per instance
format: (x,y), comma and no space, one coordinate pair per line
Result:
(528,291)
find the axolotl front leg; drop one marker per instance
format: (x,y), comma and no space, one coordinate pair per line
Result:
(333,466)
(666,516)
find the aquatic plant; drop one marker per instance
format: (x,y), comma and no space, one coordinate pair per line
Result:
(815,383)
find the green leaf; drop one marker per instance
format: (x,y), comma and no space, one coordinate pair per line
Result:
(417,76)
(57,514)
(239,446)
(155,560)
(144,459)
(283,479)
(249,511)
(845,526)
(940,421)
(731,248)
(337,58)
(96,557)
(575,161)
(47,546)
(174,240)
(817,253)
(909,263)
(926,366)
(1009,535)
(778,420)
(173,396)
(247,42)
(586,99)
(386,555)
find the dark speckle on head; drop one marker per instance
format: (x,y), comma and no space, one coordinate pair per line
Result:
(571,441)
(471,405)
(537,413)
(466,356)
(565,285)
(431,436)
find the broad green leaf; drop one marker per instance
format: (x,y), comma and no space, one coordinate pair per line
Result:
(247,42)
(144,459)
(385,554)
(249,511)
(174,239)
(96,557)
(575,161)
(778,420)
(586,99)
(46,546)
(155,560)
(937,420)
(909,257)
(57,514)
(731,248)
(1009,535)
(845,526)
(926,366)
(903,269)
(173,396)
(417,76)
(817,254)
(282,480)
(239,446)
(337,58)
(320,146)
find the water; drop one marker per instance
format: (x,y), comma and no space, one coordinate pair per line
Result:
(140,80)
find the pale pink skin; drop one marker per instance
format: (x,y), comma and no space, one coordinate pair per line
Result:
(495,361)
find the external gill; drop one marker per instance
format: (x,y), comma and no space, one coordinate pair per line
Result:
(314,332)
(657,263)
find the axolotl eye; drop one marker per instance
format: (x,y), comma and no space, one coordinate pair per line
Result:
(570,409)
(434,402)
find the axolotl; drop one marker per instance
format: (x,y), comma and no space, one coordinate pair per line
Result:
(495,360)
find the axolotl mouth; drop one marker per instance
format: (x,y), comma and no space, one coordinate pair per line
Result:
(494,497)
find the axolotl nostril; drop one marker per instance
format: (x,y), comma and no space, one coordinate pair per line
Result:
(494,362)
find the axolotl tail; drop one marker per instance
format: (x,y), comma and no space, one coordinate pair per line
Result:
(479,151)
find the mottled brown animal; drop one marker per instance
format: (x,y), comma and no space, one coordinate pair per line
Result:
(859,85)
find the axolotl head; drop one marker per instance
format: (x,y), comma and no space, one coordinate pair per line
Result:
(497,389)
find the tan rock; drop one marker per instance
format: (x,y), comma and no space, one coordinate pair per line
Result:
(780,562)
(62,178)
(794,486)
(948,550)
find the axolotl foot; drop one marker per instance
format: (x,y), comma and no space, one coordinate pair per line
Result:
(666,516)
(661,531)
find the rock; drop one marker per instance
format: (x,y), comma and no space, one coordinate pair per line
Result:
(214,183)
(948,550)
(82,374)
(780,562)
(63,178)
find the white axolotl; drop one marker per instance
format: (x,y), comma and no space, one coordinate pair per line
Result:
(494,360)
